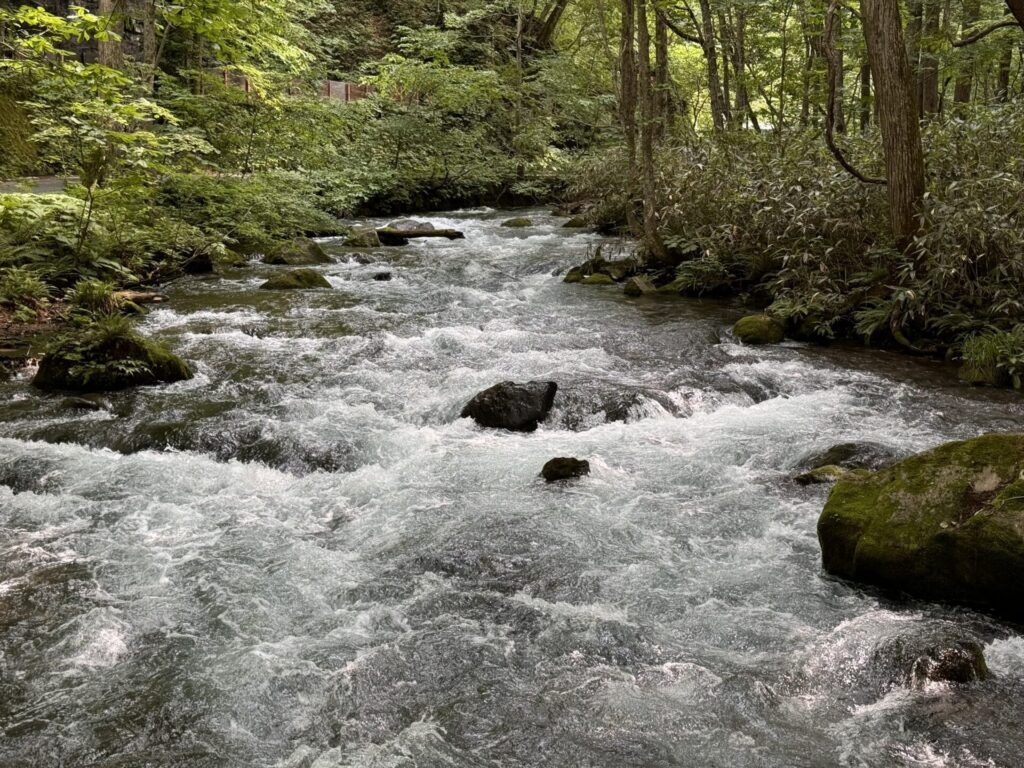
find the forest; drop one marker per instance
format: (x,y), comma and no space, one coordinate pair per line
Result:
(606,383)
(855,168)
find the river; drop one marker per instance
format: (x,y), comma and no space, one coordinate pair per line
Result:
(303,558)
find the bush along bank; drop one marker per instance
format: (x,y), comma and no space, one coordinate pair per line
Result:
(778,225)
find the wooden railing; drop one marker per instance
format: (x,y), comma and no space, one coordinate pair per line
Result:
(335,90)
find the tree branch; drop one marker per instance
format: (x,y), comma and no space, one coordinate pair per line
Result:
(983,33)
(832,56)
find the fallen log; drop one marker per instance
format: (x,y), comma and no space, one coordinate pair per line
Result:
(397,237)
(141,297)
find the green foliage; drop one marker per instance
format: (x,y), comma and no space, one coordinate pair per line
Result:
(93,298)
(995,358)
(23,292)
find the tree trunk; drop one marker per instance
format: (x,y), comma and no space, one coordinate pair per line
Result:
(865,97)
(664,108)
(915,28)
(965,81)
(648,129)
(929,60)
(1005,70)
(897,111)
(110,53)
(627,79)
(1017,9)
(719,109)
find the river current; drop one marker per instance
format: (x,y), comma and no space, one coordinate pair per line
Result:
(303,558)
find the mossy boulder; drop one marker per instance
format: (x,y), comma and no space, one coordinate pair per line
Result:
(301,252)
(599,280)
(105,359)
(944,525)
(296,280)
(363,238)
(640,285)
(759,329)
(575,275)
(520,222)
(576,222)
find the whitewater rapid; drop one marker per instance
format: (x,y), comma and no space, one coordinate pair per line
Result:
(303,558)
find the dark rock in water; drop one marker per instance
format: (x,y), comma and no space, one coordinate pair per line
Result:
(84,404)
(296,280)
(520,222)
(944,525)
(363,258)
(362,238)
(864,455)
(199,264)
(516,407)
(565,469)
(400,237)
(301,252)
(759,329)
(383,277)
(98,361)
(961,663)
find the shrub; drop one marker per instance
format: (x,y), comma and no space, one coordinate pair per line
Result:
(23,292)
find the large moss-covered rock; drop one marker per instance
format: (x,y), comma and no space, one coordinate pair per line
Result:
(105,360)
(599,280)
(576,222)
(363,238)
(759,329)
(639,286)
(520,222)
(296,280)
(945,525)
(301,252)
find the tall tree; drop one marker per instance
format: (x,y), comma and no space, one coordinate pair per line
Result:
(898,115)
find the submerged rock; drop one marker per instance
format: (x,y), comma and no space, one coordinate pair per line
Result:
(961,662)
(830,473)
(759,329)
(97,360)
(565,469)
(944,525)
(516,407)
(296,280)
(383,277)
(639,286)
(520,222)
(863,455)
(301,252)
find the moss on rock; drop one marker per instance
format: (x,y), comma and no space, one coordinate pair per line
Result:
(576,222)
(945,525)
(300,252)
(520,222)
(106,358)
(296,280)
(365,238)
(599,280)
(759,329)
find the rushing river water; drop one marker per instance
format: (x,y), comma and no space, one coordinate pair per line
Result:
(303,558)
